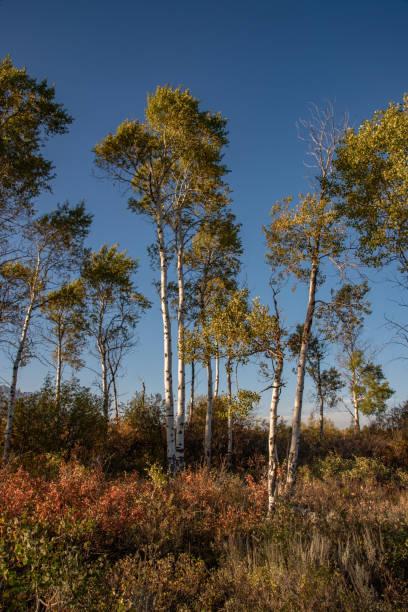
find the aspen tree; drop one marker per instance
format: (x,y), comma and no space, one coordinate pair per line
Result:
(343,323)
(29,115)
(173,164)
(213,261)
(236,330)
(371,180)
(114,306)
(276,355)
(228,322)
(66,331)
(299,240)
(54,243)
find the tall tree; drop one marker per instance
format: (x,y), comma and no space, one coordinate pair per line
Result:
(300,240)
(54,243)
(372,182)
(213,260)
(29,115)
(275,356)
(114,307)
(173,164)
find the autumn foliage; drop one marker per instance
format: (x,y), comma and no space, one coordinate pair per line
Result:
(201,541)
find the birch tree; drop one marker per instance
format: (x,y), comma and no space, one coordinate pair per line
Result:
(54,243)
(29,115)
(300,239)
(66,330)
(241,330)
(199,344)
(372,181)
(343,323)
(173,164)
(228,321)
(213,260)
(276,356)
(114,307)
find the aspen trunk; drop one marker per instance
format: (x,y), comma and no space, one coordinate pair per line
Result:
(143,394)
(13,385)
(273,461)
(321,410)
(59,369)
(115,398)
(168,379)
(181,384)
(208,417)
(217,374)
(355,404)
(229,393)
(190,416)
(105,387)
(297,409)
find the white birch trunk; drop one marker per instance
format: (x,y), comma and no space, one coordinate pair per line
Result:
(273,460)
(355,404)
(181,384)
(105,387)
(217,374)
(168,379)
(13,385)
(59,366)
(192,389)
(208,417)
(297,409)
(321,410)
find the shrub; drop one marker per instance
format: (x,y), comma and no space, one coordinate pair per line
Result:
(73,426)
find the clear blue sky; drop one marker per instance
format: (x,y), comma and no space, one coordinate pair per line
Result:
(260,63)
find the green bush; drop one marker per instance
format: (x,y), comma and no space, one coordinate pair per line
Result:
(48,430)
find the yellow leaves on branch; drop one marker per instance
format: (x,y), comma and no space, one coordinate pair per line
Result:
(302,235)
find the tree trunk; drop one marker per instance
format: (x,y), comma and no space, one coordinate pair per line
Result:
(273,462)
(190,416)
(168,380)
(115,398)
(356,411)
(297,409)
(229,392)
(105,387)
(13,385)
(217,374)
(321,406)
(59,368)
(143,394)
(208,417)
(181,388)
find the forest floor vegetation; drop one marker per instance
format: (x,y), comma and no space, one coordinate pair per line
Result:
(77,539)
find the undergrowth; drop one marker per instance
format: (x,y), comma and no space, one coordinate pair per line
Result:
(202,542)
